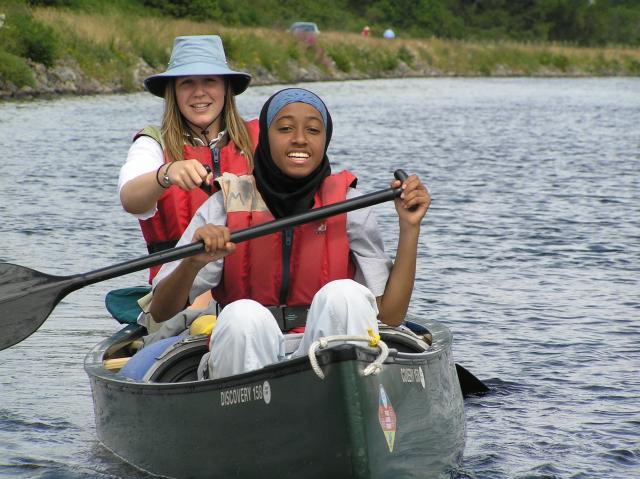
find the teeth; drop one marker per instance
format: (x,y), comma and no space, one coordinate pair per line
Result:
(298,155)
(200,105)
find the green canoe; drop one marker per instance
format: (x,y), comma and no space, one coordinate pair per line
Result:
(284,421)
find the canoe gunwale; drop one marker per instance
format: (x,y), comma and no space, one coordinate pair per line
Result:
(442,339)
(333,355)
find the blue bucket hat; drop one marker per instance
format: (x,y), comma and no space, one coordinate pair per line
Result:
(197,55)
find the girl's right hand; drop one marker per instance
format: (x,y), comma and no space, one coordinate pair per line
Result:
(414,201)
(217,244)
(187,174)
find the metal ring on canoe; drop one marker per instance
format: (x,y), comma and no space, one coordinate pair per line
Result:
(374,368)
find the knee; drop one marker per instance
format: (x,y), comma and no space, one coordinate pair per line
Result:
(341,298)
(243,316)
(340,307)
(242,319)
(345,290)
(246,337)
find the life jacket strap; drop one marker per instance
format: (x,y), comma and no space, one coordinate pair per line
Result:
(161,246)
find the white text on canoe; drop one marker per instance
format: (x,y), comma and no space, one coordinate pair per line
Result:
(244,394)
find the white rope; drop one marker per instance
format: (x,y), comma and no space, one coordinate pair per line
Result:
(374,368)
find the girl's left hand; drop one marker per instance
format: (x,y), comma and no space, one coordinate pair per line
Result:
(414,201)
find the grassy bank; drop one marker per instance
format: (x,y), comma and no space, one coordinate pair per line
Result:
(112,47)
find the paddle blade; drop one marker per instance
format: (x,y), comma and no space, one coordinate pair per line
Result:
(27,297)
(469,383)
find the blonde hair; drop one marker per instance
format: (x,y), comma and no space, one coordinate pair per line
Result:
(173,125)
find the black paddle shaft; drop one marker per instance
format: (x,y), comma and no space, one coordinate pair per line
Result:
(239,236)
(27,297)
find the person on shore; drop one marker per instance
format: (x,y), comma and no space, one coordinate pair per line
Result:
(330,276)
(169,169)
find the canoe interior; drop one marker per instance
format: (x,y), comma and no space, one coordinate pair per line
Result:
(282,420)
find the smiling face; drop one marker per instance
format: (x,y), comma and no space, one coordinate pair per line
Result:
(297,137)
(201,99)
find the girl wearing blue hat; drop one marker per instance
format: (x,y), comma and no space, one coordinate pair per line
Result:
(163,180)
(323,278)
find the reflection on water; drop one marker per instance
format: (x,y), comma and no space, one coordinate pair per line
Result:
(530,253)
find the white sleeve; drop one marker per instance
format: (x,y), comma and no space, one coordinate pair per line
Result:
(373,265)
(213,212)
(145,155)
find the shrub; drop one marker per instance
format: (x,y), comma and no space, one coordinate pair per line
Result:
(405,55)
(632,65)
(52,3)
(15,70)
(152,52)
(561,62)
(24,36)
(363,58)
(425,56)
(340,57)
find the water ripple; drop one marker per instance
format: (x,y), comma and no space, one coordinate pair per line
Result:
(530,253)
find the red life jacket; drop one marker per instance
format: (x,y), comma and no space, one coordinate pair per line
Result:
(319,252)
(176,207)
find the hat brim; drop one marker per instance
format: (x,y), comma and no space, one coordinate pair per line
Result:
(156,84)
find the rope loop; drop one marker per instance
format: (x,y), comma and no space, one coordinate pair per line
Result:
(372,340)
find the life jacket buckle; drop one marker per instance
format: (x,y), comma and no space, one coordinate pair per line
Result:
(289,317)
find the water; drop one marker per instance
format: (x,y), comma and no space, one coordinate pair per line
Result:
(530,253)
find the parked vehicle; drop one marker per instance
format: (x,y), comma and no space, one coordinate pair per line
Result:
(305,31)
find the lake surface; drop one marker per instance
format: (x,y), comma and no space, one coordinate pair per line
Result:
(530,253)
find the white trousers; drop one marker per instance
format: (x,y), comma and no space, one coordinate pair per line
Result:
(247,336)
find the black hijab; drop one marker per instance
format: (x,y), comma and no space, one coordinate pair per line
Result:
(283,194)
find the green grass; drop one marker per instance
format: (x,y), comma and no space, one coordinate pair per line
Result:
(108,41)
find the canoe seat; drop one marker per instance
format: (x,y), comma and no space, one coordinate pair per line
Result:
(180,362)
(138,365)
(168,360)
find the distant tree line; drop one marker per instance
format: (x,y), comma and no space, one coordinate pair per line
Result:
(582,22)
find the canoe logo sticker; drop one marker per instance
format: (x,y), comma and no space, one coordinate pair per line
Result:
(245,394)
(266,392)
(413,375)
(387,418)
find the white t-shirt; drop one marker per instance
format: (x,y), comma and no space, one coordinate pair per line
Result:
(373,265)
(145,155)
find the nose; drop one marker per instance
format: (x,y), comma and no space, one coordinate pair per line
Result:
(299,137)
(199,88)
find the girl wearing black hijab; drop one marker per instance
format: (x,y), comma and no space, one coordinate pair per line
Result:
(331,276)
(286,195)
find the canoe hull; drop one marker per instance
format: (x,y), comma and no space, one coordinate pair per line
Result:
(284,421)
